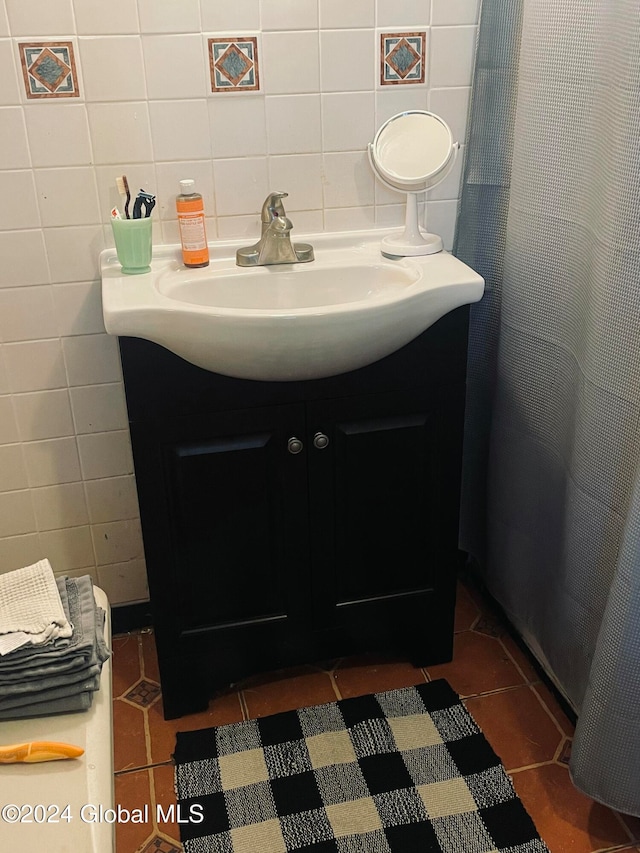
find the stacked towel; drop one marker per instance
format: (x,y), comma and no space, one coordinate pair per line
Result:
(30,608)
(59,674)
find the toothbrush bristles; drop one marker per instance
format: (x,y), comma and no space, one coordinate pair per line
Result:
(123,189)
(126,186)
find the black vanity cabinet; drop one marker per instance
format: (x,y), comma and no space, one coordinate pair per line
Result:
(294,522)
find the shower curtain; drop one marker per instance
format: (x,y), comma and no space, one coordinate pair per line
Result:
(550,216)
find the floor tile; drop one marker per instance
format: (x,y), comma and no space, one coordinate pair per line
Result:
(225,708)
(522,660)
(149,656)
(284,691)
(633,824)
(517,726)
(467,612)
(165,797)
(129,740)
(565,818)
(479,664)
(370,674)
(490,625)
(126,663)
(555,708)
(133,791)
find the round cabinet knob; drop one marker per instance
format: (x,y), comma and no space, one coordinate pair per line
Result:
(320,440)
(294,445)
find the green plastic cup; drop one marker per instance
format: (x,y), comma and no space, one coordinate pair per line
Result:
(133,244)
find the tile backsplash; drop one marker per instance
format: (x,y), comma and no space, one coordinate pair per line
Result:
(244,97)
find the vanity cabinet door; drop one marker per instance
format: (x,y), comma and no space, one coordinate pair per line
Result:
(225,523)
(384,509)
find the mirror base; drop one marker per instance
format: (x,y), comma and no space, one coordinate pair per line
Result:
(400,247)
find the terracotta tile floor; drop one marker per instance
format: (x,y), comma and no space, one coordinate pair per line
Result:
(518,714)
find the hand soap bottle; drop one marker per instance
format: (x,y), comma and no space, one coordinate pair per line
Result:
(193,235)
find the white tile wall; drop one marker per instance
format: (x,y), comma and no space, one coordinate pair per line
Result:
(290,62)
(112,68)
(14,151)
(336,14)
(35,365)
(58,134)
(41,18)
(348,56)
(348,122)
(175,66)
(4,24)
(67,488)
(193,117)
(294,124)
(95,17)
(289,15)
(10,83)
(232,17)
(167,16)
(407,14)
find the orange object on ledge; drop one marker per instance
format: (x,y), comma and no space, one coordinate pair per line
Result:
(38,750)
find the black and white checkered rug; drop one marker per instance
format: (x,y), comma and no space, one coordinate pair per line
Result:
(405,771)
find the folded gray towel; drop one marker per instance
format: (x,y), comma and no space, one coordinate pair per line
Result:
(69,663)
(48,678)
(66,705)
(46,695)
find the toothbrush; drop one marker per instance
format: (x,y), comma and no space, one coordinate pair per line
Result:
(123,189)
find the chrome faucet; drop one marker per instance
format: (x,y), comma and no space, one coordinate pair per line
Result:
(274,245)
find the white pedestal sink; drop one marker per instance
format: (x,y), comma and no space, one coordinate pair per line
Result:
(348,308)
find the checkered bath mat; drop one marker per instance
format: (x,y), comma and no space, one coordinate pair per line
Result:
(405,771)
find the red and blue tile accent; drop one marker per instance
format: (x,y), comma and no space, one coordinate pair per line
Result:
(402,58)
(49,69)
(233,64)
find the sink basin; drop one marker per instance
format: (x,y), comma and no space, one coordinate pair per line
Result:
(348,308)
(288,288)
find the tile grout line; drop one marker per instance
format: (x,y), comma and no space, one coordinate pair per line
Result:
(494,692)
(549,711)
(154,800)
(167,763)
(334,683)
(615,849)
(243,705)
(626,828)
(526,767)
(516,664)
(560,748)
(145,710)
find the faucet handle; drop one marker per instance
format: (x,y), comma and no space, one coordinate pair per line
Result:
(273,207)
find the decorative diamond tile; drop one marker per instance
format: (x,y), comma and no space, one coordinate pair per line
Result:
(161,845)
(402,58)
(144,693)
(491,627)
(234,64)
(49,69)
(565,753)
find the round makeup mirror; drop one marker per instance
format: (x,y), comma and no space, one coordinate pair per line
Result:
(412,152)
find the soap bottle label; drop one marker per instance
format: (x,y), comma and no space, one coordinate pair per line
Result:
(192,231)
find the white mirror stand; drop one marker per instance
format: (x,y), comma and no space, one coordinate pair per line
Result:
(411,153)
